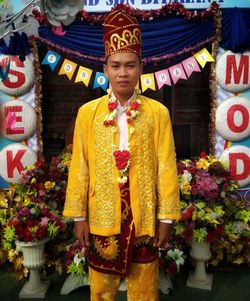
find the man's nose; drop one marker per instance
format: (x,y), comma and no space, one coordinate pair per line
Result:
(123,71)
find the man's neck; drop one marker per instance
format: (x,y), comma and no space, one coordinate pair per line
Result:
(123,99)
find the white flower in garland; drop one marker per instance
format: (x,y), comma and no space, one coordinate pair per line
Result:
(61,11)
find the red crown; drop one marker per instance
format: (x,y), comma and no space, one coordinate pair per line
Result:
(121,33)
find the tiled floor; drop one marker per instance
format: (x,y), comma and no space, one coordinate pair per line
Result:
(228,285)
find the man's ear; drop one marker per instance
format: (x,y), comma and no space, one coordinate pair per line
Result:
(105,69)
(141,68)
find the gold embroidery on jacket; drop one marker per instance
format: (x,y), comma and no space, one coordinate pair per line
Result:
(102,213)
(144,157)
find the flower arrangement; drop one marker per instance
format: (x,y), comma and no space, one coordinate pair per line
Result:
(44,182)
(235,246)
(205,185)
(32,209)
(31,222)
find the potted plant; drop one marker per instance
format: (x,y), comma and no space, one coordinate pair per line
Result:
(30,226)
(205,186)
(33,216)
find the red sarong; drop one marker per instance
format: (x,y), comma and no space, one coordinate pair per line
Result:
(114,254)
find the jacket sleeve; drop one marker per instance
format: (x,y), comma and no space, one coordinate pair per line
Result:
(167,185)
(78,179)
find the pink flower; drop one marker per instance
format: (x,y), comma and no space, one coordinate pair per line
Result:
(44,221)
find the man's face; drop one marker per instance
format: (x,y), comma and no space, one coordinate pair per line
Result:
(123,71)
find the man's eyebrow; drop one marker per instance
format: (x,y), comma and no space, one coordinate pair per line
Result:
(118,62)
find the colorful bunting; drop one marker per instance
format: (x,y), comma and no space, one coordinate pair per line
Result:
(147,81)
(169,76)
(68,68)
(83,75)
(162,78)
(51,59)
(177,72)
(203,56)
(101,81)
(190,65)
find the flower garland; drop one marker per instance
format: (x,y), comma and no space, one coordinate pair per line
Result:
(122,157)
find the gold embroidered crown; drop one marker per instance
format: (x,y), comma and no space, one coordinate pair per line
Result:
(121,33)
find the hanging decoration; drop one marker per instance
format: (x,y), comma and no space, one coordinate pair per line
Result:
(168,76)
(143,15)
(51,58)
(19,120)
(68,68)
(83,75)
(100,81)
(203,56)
(20,75)
(61,11)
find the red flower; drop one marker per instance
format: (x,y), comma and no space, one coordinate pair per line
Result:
(108,122)
(122,159)
(187,213)
(112,105)
(134,105)
(203,155)
(121,186)
(172,269)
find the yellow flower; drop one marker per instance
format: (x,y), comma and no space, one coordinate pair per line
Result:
(11,255)
(3,200)
(202,164)
(33,229)
(186,188)
(33,181)
(49,185)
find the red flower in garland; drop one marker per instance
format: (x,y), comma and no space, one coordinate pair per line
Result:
(112,105)
(122,159)
(134,105)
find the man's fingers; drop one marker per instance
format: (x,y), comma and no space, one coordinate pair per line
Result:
(86,239)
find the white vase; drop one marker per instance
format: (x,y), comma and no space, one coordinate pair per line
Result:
(200,252)
(33,259)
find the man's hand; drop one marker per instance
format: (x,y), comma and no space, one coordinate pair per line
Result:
(162,234)
(81,230)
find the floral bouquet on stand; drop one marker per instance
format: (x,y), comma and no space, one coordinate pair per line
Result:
(205,186)
(32,209)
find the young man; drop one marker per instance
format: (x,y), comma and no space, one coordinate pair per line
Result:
(122,187)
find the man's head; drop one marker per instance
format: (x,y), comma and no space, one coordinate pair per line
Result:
(122,42)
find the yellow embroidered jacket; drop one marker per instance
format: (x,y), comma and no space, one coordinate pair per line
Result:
(93,191)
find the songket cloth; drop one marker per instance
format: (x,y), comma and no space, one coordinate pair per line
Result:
(114,254)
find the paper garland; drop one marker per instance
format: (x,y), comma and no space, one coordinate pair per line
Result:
(169,76)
